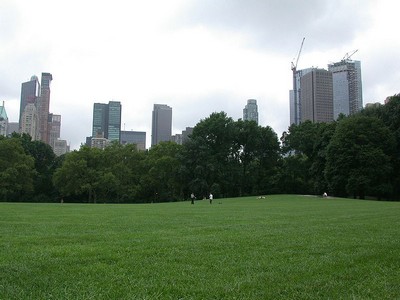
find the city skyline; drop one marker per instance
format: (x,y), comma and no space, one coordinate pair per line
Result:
(199,57)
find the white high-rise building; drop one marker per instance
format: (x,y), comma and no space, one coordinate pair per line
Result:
(347,87)
(30,121)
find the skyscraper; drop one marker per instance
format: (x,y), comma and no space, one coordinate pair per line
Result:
(134,137)
(30,91)
(29,121)
(43,105)
(347,87)
(161,129)
(295,99)
(114,121)
(317,96)
(250,111)
(99,126)
(54,129)
(107,121)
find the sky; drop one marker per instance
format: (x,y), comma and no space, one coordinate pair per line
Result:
(197,56)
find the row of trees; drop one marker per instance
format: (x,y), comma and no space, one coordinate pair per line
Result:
(356,156)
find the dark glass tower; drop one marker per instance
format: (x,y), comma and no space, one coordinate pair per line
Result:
(107,121)
(114,121)
(99,127)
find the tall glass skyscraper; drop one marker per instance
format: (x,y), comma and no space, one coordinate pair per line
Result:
(250,111)
(99,126)
(107,121)
(114,121)
(161,129)
(347,87)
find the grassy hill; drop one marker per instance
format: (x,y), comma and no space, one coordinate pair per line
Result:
(281,247)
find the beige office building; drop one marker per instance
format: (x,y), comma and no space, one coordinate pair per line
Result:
(30,121)
(317,96)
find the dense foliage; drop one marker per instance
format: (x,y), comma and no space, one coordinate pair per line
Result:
(355,156)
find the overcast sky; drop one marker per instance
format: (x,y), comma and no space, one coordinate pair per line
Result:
(198,57)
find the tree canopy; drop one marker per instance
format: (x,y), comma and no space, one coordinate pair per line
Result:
(354,156)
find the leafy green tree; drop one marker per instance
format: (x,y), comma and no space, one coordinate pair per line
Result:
(79,174)
(298,147)
(300,138)
(247,141)
(292,177)
(44,158)
(359,158)
(162,182)
(230,158)
(126,163)
(318,158)
(209,155)
(267,156)
(390,115)
(17,171)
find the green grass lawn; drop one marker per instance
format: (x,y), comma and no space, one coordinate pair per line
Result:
(281,247)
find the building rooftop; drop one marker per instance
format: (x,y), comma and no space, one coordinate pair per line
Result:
(3,114)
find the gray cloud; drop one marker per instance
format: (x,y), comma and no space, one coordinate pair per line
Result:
(280,24)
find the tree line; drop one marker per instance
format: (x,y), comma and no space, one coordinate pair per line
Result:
(356,156)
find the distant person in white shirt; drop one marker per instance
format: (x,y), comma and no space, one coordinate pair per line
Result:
(211,198)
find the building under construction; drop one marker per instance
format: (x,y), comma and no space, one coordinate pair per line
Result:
(345,90)
(347,87)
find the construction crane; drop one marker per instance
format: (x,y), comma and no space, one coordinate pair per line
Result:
(348,55)
(295,95)
(294,66)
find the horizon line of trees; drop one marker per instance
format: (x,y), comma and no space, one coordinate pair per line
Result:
(356,156)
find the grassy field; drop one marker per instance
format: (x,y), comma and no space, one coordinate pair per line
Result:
(281,247)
